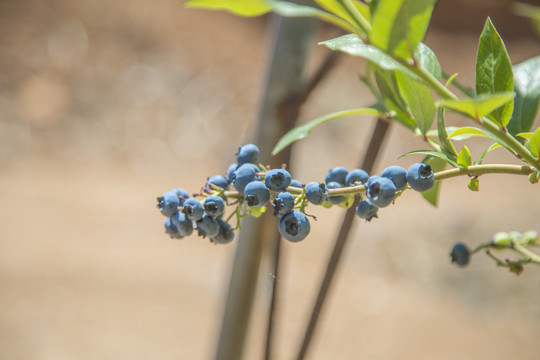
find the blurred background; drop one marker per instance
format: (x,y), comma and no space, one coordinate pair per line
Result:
(105,105)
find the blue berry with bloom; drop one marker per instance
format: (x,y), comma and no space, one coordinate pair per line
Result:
(230,172)
(277,179)
(218,180)
(244,175)
(420,177)
(168,203)
(356,176)
(182,195)
(214,206)
(366,210)
(256,194)
(294,226)
(208,226)
(295,183)
(171,229)
(247,154)
(182,223)
(381,191)
(337,174)
(397,174)
(460,254)
(283,203)
(316,192)
(193,209)
(334,199)
(225,234)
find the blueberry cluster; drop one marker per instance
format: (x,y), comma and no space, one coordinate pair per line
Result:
(251,186)
(380,190)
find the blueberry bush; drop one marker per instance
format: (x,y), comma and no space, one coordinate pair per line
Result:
(410,89)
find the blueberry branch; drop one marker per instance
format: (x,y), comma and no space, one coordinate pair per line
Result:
(477,170)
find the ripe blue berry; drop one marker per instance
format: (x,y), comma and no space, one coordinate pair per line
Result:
(296,183)
(356,176)
(381,191)
(397,174)
(247,154)
(460,254)
(182,223)
(214,206)
(283,203)
(193,209)
(337,174)
(182,195)
(277,179)
(316,192)
(366,210)
(208,226)
(294,226)
(256,194)
(171,229)
(244,175)
(334,199)
(225,234)
(218,180)
(420,177)
(230,172)
(168,203)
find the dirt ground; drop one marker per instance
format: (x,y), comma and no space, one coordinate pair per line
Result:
(106,104)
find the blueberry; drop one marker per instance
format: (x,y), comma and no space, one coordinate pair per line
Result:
(171,229)
(366,210)
(182,195)
(230,172)
(183,224)
(296,183)
(218,180)
(168,203)
(316,192)
(397,174)
(381,191)
(294,226)
(225,234)
(247,154)
(256,194)
(356,176)
(244,175)
(283,203)
(420,177)
(337,174)
(460,254)
(208,226)
(214,206)
(334,199)
(193,209)
(277,179)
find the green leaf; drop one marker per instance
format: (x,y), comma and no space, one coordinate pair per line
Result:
(434,153)
(290,9)
(387,84)
(494,71)
(432,195)
(399,25)
(304,130)
(527,88)
(427,59)
(478,107)
(442,133)
(467,132)
(419,100)
(534,143)
(464,157)
(353,45)
(525,135)
(246,8)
